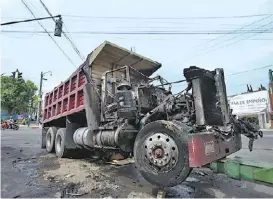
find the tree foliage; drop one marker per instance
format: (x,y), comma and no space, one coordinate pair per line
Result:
(16,94)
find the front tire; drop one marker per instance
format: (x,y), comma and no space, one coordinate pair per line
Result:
(50,139)
(161,153)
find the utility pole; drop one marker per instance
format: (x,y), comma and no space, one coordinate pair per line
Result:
(40,94)
(270,92)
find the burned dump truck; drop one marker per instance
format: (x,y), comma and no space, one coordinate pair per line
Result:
(111,104)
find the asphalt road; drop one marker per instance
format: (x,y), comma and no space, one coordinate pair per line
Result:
(262,149)
(28,171)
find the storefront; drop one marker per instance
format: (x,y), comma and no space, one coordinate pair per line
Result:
(252,105)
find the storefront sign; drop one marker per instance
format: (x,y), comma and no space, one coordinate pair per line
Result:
(249,103)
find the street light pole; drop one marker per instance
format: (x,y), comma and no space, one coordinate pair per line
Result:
(40,94)
(39,98)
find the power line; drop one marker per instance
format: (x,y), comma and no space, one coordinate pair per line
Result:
(149,22)
(155,18)
(269,30)
(164,18)
(244,27)
(234,31)
(119,38)
(254,69)
(45,31)
(256,30)
(67,37)
(242,38)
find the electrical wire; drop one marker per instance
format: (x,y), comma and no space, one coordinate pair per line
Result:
(241,39)
(234,31)
(269,30)
(48,34)
(125,38)
(66,36)
(257,31)
(155,18)
(164,18)
(244,27)
(254,69)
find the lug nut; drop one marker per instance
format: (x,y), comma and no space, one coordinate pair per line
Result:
(155,161)
(166,154)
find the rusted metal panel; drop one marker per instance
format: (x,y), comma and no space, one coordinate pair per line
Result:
(205,148)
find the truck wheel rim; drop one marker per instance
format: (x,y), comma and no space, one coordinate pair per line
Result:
(58,143)
(161,152)
(48,140)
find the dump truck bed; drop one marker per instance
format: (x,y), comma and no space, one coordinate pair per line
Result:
(68,98)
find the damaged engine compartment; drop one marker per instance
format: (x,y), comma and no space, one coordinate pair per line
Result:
(202,106)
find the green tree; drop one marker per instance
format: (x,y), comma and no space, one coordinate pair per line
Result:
(16,94)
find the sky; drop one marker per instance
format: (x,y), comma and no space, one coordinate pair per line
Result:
(32,52)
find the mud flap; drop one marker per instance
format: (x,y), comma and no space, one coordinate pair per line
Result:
(68,136)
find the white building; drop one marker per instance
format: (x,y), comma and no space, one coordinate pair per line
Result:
(252,104)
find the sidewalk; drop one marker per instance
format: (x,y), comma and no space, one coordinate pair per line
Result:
(32,126)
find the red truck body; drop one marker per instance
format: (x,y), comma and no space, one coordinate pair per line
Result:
(65,99)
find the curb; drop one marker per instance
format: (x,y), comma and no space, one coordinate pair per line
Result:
(266,130)
(30,127)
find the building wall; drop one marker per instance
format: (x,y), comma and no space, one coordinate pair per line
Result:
(253,103)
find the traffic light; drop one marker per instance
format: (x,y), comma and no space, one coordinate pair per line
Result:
(270,73)
(58,27)
(19,75)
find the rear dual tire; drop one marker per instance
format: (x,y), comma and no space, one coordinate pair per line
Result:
(60,148)
(53,139)
(50,139)
(44,132)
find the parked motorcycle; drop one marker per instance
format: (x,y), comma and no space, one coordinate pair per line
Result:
(5,125)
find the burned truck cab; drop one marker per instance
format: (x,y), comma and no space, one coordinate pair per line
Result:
(190,129)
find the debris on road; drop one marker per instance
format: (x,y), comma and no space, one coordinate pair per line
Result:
(69,176)
(200,173)
(122,162)
(161,193)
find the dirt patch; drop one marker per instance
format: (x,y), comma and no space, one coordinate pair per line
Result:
(85,178)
